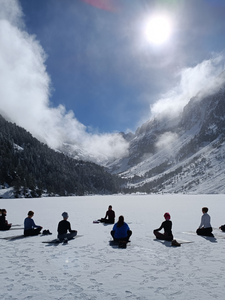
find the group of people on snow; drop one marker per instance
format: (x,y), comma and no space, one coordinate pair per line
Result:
(204,229)
(31,229)
(120,231)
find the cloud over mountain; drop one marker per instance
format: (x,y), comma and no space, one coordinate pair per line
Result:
(190,83)
(25,91)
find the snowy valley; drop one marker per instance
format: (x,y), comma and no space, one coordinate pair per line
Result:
(171,153)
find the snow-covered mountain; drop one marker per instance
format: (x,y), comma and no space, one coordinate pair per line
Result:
(185,153)
(172,154)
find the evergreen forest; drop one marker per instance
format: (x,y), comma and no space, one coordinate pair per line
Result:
(33,169)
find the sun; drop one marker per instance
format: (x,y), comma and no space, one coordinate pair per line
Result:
(158,29)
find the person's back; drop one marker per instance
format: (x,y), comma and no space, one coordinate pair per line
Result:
(63,227)
(167,225)
(205,221)
(121,230)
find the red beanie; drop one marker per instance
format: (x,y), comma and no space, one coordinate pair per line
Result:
(167,216)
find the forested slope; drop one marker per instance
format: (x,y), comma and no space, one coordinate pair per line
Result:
(33,169)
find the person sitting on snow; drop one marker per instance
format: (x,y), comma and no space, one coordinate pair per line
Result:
(30,228)
(205,227)
(167,226)
(4,225)
(63,227)
(110,214)
(121,231)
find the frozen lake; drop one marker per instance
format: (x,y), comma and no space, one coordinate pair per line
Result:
(89,268)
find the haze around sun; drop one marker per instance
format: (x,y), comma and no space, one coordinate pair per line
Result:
(158,29)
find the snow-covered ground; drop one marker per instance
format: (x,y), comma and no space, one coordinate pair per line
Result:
(89,268)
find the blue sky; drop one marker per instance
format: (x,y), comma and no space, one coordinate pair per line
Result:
(78,71)
(101,67)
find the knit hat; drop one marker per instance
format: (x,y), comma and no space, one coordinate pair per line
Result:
(65,215)
(167,216)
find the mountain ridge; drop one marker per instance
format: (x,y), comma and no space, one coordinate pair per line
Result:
(164,147)
(182,153)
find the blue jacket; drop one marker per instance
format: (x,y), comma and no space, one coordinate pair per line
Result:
(120,232)
(29,224)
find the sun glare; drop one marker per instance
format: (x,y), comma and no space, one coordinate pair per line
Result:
(158,29)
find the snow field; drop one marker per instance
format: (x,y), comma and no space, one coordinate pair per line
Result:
(89,268)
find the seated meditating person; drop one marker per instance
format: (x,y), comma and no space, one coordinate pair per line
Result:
(167,226)
(109,216)
(63,227)
(30,228)
(205,227)
(4,225)
(121,231)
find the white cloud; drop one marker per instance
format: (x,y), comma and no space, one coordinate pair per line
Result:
(25,91)
(200,78)
(166,139)
(11,11)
